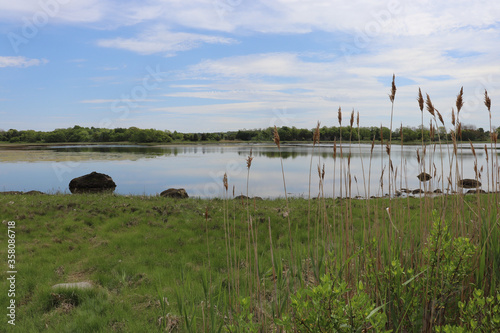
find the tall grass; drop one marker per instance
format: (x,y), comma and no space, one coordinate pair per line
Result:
(416,265)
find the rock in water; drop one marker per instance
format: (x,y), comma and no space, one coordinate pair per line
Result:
(92,183)
(469,183)
(178,193)
(423,177)
(476,191)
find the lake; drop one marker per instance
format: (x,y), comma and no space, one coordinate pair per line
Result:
(148,170)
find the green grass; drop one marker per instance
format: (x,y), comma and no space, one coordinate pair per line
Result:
(147,257)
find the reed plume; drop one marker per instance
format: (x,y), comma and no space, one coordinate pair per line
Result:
(392,95)
(487,100)
(429,106)
(316,134)
(460,101)
(224,181)
(440,117)
(249,159)
(493,137)
(420,100)
(276,137)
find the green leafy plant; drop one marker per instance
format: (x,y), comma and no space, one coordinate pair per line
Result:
(448,262)
(479,314)
(333,307)
(244,320)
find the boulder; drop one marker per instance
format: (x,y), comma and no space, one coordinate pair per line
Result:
(423,177)
(12,192)
(469,183)
(417,191)
(74,285)
(92,183)
(476,191)
(244,197)
(33,192)
(178,193)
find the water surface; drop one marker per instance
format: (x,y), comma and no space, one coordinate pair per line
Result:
(149,170)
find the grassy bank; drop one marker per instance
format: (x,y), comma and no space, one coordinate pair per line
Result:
(198,265)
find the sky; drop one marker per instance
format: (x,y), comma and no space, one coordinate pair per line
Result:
(222,65)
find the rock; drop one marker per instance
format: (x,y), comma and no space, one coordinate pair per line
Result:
(75,285)
(423,177)
(475,191)
(12,192)
(92,183)
(33,192)
(417,191)
(469,183)
(244,197)
(438,190)
(21,192)
(178,193)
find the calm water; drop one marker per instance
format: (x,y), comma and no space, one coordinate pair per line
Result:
(200,168)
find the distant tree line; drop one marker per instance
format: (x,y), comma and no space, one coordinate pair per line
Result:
(407,134)
(137,135)
(92,134)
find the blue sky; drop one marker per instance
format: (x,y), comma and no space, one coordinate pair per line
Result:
(218,65)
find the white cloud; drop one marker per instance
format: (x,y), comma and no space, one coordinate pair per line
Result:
(263,65)
(42,12)
(21,62)
(161,40)
(316,88)
(393,17)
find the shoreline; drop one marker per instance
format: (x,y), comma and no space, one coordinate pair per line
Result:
(27,146)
